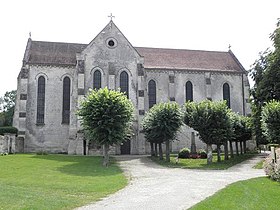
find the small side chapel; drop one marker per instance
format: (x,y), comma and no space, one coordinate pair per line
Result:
(55,76)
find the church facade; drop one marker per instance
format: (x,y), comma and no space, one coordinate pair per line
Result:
(55,77)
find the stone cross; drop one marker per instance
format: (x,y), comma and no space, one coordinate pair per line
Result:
(111,16)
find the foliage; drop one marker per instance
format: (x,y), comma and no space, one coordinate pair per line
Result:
(271,121)
(272,170)
(258,194)
(211,120)
(265,73)
(8,130)
(62,181)
(106,117)
(189,163)
(7,105)
(242,127)
(184,153)
(257,125)
(202,153)
(161,123)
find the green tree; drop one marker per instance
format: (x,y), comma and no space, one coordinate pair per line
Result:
(212,121)
(161,123)
(271,121)
(265,73)
(242,127)
(107,117)
(7,106)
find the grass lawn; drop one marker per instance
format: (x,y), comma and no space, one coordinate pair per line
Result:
(253,194)
(202,163)
(55,181)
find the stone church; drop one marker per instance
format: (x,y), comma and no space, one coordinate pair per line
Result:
(55,76)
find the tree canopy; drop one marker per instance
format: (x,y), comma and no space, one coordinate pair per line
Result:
(161,123)
(271,121)
(106,117)
(7,105)
(211,120)
(266,75)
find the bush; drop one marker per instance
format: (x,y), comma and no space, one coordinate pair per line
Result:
(202,153)
(272,169)
(184,153)
(8,129)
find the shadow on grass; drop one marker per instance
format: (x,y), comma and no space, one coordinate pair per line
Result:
(82,165)
(202,163)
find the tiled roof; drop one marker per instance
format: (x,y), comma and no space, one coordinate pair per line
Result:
(189,59)
(57,53)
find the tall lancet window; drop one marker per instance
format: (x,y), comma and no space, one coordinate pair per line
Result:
(97,80)
(152,93)
(124,86)
(226,94)
(66,101)
(41,100)
(189,91)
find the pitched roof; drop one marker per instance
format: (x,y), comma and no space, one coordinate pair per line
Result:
(57,53)
(155,58)
(53,53)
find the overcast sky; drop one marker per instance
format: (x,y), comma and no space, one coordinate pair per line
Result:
(187,24)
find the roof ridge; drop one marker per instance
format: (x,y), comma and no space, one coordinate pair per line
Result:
(183,49)
(58,42)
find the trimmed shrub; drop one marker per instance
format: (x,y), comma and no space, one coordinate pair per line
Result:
(8,129)
(184,153)
(272,169)
(202,153)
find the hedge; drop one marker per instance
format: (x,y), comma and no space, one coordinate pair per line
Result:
(8,129)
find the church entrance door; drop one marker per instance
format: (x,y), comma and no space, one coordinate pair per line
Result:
(125,148)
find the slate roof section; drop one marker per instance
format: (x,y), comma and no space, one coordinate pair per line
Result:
(53,53)
(57,53)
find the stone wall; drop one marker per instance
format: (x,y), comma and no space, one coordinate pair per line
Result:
(8,143)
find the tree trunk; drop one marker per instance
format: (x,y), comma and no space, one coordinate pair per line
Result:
(156,149)
(106,155)
(244,146)
(236,148)
(209,154)
(219,153)
(231,149)
(167,152)
(241,148)
(226,150)
(160,151)
(152,149)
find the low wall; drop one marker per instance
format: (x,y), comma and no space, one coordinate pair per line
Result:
(9,143)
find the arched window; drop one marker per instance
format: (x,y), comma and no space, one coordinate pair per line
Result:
(41,100)
(152,93)
(97,79)
(66,100)
(226,94)
(189,91)
(124,83)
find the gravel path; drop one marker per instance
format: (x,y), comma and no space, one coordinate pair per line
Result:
(155,187)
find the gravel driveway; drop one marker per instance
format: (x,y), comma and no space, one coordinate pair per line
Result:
(155,187)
